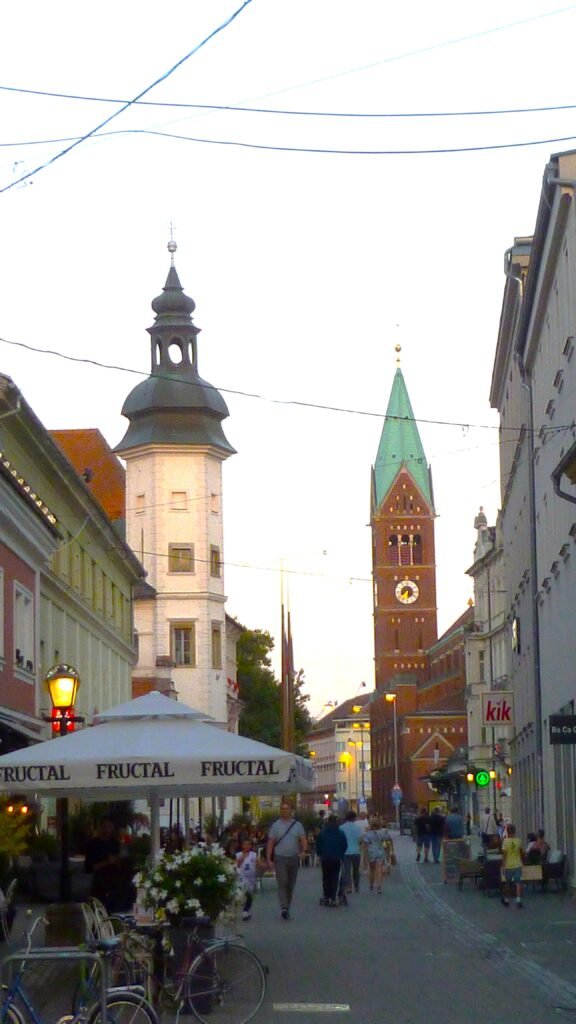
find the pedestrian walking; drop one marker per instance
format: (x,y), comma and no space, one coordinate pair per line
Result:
(286,841)
(513,857)
(436,826)
(247,868)
(353,832)
(376,840)
(488,828)
(422,827)
(454,824)
(331,845)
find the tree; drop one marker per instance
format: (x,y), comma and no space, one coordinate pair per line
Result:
(259,691)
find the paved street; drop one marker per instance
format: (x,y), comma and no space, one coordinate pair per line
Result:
(421,953)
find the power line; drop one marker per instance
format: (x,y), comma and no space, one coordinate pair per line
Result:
(239,109)
(287,401)
(129,103)
(428,151)
(319,150)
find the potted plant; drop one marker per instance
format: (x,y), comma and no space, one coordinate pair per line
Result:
(196,883)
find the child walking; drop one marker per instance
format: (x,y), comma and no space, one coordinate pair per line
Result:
(513,856)
(246,866)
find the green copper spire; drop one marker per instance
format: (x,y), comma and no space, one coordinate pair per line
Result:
(400,446)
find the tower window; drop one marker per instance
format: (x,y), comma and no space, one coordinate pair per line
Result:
(405,550)
(215,563)
(180,558)
(216,643)
(175,351)
(417,549)
(140,504)
(179,501)
(183,643)
(393,550)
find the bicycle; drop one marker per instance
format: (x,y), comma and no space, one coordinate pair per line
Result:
(219,980)
(123,1006)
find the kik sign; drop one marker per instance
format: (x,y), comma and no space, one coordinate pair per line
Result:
(562,728)
(498,708)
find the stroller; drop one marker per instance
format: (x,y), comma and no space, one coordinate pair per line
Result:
(340,900)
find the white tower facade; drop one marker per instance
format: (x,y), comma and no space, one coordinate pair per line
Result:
(174,449)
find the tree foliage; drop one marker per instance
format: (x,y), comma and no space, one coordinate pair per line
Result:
(260,692)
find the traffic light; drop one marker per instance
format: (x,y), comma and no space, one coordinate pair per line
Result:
(482,779)
(62,721)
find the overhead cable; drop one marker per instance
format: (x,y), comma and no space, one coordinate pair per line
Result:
(129,103)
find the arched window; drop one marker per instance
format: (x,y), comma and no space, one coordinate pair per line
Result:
(396,640)
(417,554)
(405,550)
(393,550)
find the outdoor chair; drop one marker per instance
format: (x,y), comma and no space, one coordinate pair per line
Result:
(491,878)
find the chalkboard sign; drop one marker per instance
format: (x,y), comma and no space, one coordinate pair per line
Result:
(453,851)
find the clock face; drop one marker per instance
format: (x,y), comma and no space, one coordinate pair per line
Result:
(407,592)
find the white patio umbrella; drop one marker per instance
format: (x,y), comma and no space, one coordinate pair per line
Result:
(153,747)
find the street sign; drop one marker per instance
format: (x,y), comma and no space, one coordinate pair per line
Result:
(498,707)
(562,728)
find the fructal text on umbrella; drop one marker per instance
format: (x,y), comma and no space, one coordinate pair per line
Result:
(135,770)
(229,768)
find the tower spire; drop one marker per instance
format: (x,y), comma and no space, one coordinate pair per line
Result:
(400,445)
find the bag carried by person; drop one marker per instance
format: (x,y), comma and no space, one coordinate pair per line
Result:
(393,860)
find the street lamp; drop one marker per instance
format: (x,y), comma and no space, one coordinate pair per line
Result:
(391,698)
(346,758)
(62,682)
(355,745)
(362,727)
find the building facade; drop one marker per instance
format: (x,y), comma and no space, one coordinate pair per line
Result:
(487,661)
(532,389)
(67,587)
(339,746)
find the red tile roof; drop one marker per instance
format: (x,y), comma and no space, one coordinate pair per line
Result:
(93,459)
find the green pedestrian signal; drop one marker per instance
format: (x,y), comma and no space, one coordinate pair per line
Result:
(482,779)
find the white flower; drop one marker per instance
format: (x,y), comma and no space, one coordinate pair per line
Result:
(173,907)
(221,878)
(178,883)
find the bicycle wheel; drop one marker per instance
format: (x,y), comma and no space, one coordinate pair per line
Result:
(225,985)
(125,1008)
(122,975)
(11,1015)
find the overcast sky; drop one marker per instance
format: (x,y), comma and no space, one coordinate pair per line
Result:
(307,268)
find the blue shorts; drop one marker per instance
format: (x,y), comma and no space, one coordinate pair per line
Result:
(513,874)
(423,841)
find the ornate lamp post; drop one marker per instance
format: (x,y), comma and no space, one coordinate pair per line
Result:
(62,682)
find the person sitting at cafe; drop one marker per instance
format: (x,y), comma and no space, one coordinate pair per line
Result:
(111,875)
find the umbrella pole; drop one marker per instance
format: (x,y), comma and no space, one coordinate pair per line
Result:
(155,828)
(62,815)
(186,823)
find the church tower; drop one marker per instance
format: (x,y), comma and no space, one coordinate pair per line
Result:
(174,448)
(403,557)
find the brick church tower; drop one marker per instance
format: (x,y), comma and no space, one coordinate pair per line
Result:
(404,568)
(404,580)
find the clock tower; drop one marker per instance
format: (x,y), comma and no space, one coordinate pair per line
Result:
(403,557)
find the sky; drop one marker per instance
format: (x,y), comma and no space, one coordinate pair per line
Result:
(307,266)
